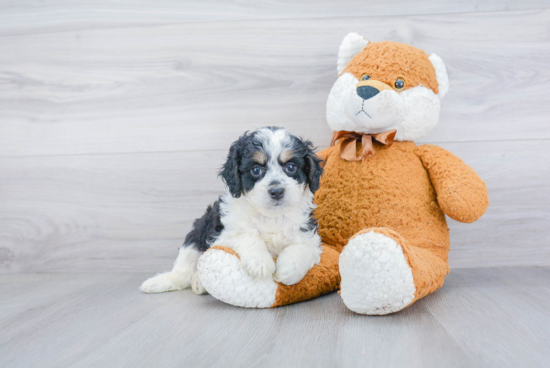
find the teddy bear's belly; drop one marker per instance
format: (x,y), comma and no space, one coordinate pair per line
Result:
(390,189)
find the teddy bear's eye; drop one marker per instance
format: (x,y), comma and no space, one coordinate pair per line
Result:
(399,84)
(365,77)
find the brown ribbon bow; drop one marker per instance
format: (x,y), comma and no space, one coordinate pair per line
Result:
(348,148)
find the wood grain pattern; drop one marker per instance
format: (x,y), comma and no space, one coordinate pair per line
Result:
(480,318)
(30,16)
(130,212)
(507,315)
(115,118)
(194,86)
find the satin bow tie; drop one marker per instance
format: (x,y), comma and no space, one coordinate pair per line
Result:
(348,148)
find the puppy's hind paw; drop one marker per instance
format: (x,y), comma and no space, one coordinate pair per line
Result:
(196,285)
(161,283)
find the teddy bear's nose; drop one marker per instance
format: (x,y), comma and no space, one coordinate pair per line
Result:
(366,92)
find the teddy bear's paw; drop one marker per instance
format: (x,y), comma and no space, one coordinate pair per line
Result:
(376,277)
(223,276)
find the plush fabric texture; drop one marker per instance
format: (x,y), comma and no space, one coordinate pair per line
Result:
(429,269)
(222,275)
(461,193)
(441,74)
(321,279)
(226,249)
(352,44)
(401,192)
(390,189)
(376,276)
(381,61)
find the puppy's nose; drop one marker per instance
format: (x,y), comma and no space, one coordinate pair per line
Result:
(366,92)
(276,193)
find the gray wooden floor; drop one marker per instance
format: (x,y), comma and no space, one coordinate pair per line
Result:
(482,318)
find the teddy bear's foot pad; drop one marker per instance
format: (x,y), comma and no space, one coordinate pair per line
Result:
(376,277)
(222,275)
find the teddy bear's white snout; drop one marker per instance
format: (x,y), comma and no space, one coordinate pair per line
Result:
(374,111)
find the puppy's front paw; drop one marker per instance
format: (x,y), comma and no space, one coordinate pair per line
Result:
(288,271)
(258,264)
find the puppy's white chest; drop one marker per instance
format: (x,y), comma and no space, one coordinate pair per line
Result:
(275,242)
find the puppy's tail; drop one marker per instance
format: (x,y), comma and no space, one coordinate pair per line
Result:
(181,276)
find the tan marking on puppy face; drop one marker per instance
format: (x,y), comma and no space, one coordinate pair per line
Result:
(386,61)
(286,155)
(260,157)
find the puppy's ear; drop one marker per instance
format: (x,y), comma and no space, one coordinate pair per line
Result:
(230,170)
(314,169)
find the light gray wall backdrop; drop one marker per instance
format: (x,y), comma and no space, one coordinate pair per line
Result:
(114,119)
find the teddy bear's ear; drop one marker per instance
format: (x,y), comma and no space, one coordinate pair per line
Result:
(440,74)
(352,44)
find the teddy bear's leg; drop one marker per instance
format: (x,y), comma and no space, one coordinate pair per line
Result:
(222,275)
(382,273)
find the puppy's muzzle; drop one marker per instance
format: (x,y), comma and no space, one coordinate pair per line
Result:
(370,88)
(276,193)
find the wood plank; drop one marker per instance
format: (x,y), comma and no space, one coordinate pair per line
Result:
(480,318)
(76,324)
(285,337)
(514,228)
(195,86)
(130,212)
(508,315)
(89,211)
(209,329)
(24,17)
(29,299)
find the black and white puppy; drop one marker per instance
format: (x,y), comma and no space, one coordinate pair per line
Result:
(266,212)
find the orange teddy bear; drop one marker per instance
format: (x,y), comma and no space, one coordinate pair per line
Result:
(382,200)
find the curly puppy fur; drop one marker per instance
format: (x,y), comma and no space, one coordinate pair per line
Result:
(266,212)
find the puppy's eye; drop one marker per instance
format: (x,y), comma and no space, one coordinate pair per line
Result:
(399,84)
(257,171)
(290,168)
(365,77)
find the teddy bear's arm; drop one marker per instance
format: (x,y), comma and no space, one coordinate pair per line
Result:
(461,193)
